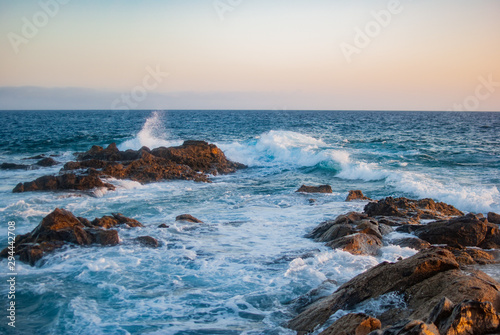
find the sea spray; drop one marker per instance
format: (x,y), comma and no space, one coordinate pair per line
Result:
(153,134)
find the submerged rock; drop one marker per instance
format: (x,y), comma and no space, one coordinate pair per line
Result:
(12,166)
(187,218)
(46,162)
(315,189)
(60,228)
(148,241)
(193,160)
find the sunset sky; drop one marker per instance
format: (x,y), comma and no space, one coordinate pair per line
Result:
(250,54)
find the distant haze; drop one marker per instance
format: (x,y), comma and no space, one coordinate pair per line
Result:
(250,54)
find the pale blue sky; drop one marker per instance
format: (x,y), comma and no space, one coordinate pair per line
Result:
(265,54)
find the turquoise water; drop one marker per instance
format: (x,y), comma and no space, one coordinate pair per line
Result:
(238,272)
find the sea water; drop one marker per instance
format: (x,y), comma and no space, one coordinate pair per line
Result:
(241,270)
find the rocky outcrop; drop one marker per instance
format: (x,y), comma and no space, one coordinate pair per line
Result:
(13,166)
(194,160)
(415,209)
(315,189)
(187,218)
(356,195)
(46,162)
(67,181)
(61,227)
(353,232)
(464,231)
(423,280)
(357,244)
(148,241)
(494,218)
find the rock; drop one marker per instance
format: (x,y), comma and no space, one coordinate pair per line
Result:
(60,228)
(471,317)
(12,166)
(67,181)
(494,218)
(411,327)
(199,156)
(356,195)
(417,209)
(328,230)
(163,225)
(411,242)
(463,231)
(441,311)
(46,162)
(353,324)
(315,189)
(469,256)
(187,218)
(194,160)
(379,280)
(357,244)
(147,241)
(104,237)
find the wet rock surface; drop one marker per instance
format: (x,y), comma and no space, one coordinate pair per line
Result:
(61,228)
(442,287)
(315,189)
(193,160)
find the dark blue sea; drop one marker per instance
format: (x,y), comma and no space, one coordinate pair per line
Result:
(239,271)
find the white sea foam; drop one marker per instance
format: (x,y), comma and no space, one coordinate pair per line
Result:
(152,135)
(479,198)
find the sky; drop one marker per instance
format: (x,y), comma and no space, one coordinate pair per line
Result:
(250,54)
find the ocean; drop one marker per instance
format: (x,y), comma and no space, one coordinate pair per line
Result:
(241,270)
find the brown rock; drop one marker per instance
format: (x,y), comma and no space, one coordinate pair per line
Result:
(463,231)
(188,218)
(494,218)
(104,237)
(353,324)
(412,327)
(357,244)
(417,209)
(46,162)
(379,280)
(12,166)
(68,181)
(410,242)
(471,317)
(61,227)
(315,189)
(191,161)
(469,256)
(356,195)
(148,241)
(329,230)
(163,225)
(199,156)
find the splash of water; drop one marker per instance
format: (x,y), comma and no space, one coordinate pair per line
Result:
(153,134)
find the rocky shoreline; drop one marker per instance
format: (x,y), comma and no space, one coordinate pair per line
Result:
(193,160)
(441,289)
